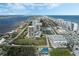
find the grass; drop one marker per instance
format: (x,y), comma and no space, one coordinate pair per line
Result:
(31,41)
(23,42)
(41,41)
(60,52)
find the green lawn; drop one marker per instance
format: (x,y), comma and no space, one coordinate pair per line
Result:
(60,52)
(23,42)
(41,41)
(31,41)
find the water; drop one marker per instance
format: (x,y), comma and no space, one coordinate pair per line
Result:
(8,23)
(72,18)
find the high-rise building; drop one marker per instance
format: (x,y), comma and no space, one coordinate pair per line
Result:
(69,25)
(60,22)
(37,25)
(30,31)
(78,30)
(34,30)
(75,28)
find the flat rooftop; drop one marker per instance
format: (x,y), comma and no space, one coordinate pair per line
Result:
(57,38)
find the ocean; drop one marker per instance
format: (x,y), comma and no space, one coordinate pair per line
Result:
(72,18)
(9,22)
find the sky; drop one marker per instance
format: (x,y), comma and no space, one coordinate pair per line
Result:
(39,9)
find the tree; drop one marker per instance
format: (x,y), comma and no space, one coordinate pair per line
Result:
(20,51)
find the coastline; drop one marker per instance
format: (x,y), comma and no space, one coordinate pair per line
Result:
(17,22)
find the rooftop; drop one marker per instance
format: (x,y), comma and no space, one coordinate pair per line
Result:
(57,38)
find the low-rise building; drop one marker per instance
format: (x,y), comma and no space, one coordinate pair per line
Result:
(76,50)
(2,40)
(11,32)
(61,31)
(57,41)
(37,34)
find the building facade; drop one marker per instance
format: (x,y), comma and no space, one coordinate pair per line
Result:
(30,31)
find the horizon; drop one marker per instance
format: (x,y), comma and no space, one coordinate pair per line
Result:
(35,8)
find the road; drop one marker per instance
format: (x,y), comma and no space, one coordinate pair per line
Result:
(17,36)
(25,46)
(47,41)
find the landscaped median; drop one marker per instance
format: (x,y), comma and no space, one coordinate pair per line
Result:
(60,52)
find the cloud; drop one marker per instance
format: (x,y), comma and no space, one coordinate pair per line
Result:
(51,6)
(20,8)
(44,5)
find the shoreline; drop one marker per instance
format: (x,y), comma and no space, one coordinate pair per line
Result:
(15,27)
